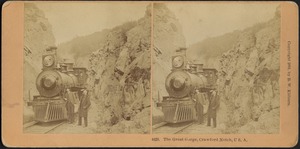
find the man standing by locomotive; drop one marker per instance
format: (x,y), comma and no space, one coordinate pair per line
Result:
(69,106)
(212,108)
(83,108)
(199,106)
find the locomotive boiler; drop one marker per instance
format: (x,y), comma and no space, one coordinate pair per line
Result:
(185,78)
(56,77)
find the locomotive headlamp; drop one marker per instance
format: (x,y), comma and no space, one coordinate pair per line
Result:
(177,61)
(48,61)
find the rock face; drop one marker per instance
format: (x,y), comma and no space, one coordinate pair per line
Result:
(37,37)
(168,38)
(249,80)
(167,31)
(120,78)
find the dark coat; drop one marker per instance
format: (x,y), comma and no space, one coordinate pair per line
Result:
(213,104)
(84,105)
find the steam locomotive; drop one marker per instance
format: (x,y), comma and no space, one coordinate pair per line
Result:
(56,77)
(181,84)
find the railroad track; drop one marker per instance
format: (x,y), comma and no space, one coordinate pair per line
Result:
(41,128)
(165,128)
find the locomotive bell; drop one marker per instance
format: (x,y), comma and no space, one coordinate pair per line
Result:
(69,63)
(63,67)
(199,68)
(69,67)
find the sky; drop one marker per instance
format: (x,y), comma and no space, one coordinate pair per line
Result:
(71,19)
(199,20)
(210,19)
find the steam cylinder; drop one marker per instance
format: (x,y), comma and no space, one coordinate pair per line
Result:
(50,83)
(181,83)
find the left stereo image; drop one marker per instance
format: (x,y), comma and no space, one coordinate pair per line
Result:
(87,68)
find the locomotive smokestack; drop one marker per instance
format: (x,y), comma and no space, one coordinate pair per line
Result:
(51,49)
(182,51)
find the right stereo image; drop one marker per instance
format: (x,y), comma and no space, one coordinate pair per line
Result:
(216,68)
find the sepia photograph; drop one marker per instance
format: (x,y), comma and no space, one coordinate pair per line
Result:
(87,67)
(150,74)
(216,68)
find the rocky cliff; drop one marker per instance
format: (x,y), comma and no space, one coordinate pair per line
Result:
(120,78)
(37,37)
(168,38)
(249,80)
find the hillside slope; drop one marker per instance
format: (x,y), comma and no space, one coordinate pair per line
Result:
(207,50)
(120,78)
(80,48)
